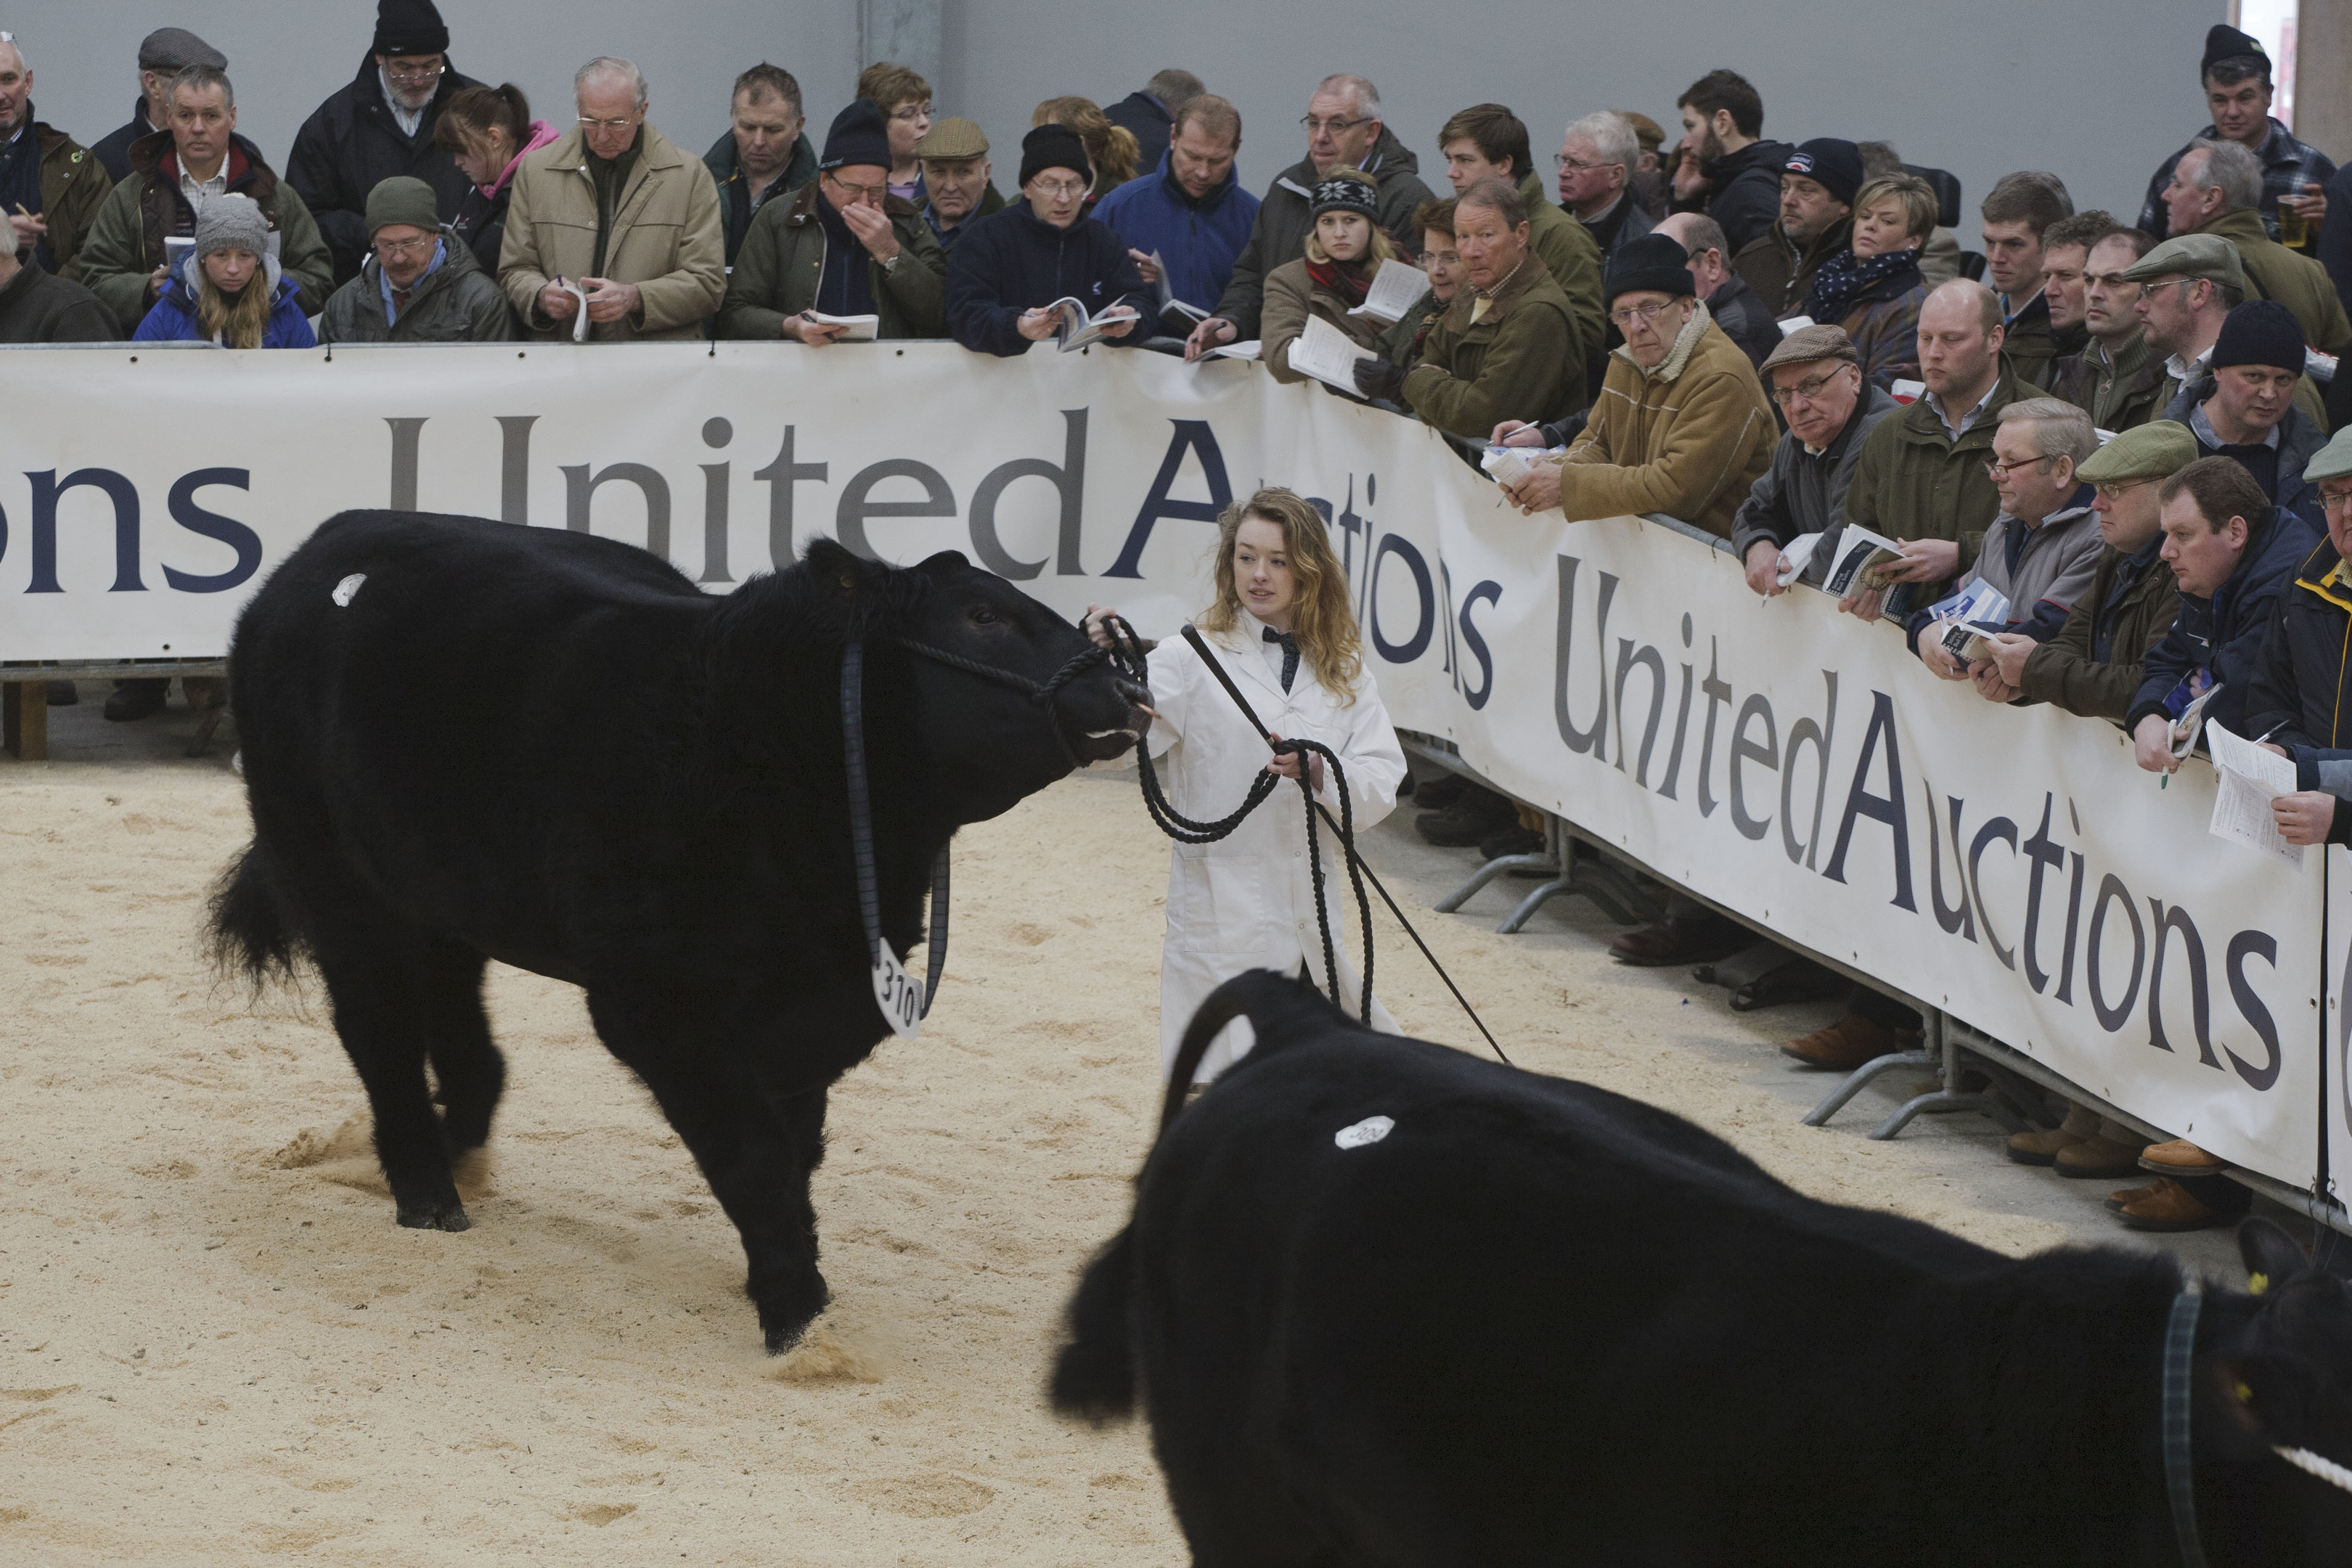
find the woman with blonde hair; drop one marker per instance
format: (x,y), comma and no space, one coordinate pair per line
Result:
(1283,629)
(1344,251)
(226,287)
(1111,149)
(1873,287)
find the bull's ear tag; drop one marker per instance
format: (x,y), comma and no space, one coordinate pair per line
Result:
(346,589)
(900,994)
(1370,1129)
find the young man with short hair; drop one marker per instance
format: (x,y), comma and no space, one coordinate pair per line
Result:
(2017,212)
(2116,379)
(1189,208)
(2235,75)
(1729,171)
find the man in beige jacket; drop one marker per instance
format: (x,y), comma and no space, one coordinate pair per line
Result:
(614,209)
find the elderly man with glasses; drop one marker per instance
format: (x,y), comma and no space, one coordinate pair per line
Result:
(1816,378)
(1344,130)
(377,125)
(616,219)
(420,283)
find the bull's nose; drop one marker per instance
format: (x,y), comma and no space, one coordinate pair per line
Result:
(1137,694)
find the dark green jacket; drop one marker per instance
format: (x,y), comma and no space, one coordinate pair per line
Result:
(459,303)
(782,260)
(2119,393)
(74,185)
(2032,346)
(1781,276)
(2298,282)
(735,191)
(1515,363)
(2067,670)
(1915,481)
(1573,256)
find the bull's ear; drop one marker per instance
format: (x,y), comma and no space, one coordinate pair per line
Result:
(2271,1254)
(832,563)
(945,563)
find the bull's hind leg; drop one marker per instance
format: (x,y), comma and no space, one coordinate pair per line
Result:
(757,1151)
(377,975)
(467,1065)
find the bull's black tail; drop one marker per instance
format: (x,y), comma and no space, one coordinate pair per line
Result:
(1094,1376)
(250,933)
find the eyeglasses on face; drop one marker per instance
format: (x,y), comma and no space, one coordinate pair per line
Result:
(2147,290)
(1566,164)
(398,72)
(2001,471)
(390,248)
(1333,127)
(590,123)
(1806,391)
(1058,190)
(2118,489)
(2335,500)
(856,191)
(1645,314)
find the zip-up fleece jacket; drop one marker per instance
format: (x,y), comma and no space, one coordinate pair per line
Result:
(1199,240)
(1016,261)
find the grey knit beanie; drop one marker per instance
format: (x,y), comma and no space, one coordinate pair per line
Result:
(403,198)
(232,223)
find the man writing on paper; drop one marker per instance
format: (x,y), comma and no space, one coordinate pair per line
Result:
(840,245)
(1008,272)
(617,210)
(2041,551)
(1681,427)
(2303,680)
(2233,552)
(1506,345)
(2095,666)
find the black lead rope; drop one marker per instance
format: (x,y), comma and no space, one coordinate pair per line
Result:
(1127,657)
(2180,1482)
(861,832)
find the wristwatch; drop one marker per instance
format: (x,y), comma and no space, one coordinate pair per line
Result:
(891,265)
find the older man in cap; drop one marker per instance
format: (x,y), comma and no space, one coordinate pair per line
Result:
(958,183)
(2244,407)
(163,55)
(840,245)
(1190,210)
(1816,379)
(2214,190)
(420,284)
(1818,183)
(50,185)
(379,124)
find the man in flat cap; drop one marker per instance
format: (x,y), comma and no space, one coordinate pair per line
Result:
(162,54)
(2236,76)
(2187,288)
(378,125)
(959,182)
(1816,378)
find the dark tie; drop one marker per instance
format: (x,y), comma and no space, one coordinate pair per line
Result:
(1289,645)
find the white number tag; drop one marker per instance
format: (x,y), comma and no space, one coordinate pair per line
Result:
(898,995)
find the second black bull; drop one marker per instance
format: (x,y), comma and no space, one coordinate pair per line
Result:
(464,741)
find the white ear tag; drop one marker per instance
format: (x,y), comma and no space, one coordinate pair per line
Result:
(900,993)
(1370,1129)
(346,589)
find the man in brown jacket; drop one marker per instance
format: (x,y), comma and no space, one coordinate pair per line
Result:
(1818,184)
(614,209)
(1682,426)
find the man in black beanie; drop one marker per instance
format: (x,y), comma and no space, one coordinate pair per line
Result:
(380,125)
(1818,182)
(1012,264)
(842,245)
(2243,407)
(2236,77)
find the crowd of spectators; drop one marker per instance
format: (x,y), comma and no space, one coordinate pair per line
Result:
(2117,432)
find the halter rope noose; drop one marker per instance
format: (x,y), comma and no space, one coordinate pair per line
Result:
(1127,657)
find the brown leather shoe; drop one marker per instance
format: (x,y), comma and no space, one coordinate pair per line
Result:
(2042,1148)
(1681,939)
(2170,1206)
(1848,1042)
(2116,1201)
(2179,1158)
(2100,1156)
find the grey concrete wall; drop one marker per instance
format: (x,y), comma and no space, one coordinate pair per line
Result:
(2098,93)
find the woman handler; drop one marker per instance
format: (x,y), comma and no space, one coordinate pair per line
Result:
(1283,629)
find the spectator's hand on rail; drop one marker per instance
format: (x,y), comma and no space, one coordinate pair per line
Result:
(1932,653)
(2010,650)
(1379,378)
(805,329)
(1865,604)
(1539,492)
(608,301)
(1287,766)
(2304,817)
(2152,746)
(1115,327)
(1517,432)
(872,228)
(1037,325)
(1144,265)
(1214,332)
(1765,564)
(1924,560)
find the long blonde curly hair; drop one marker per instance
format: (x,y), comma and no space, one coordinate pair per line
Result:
(1320,618)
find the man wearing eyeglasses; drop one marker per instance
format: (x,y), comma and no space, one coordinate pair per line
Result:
(378,125)
(841,245)
(1006,276)
(2303,681)
(1344,129)
(1816,378)
(419,283)
(2188,287)
(615,211)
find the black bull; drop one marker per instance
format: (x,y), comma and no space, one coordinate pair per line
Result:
(464,739)
(1536,1323)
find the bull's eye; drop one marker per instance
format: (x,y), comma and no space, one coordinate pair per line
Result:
(981,615)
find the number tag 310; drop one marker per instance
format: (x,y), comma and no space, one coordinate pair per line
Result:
(898,995)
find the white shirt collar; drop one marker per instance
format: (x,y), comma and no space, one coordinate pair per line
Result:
(2185,371)
(196,190)
(409,118)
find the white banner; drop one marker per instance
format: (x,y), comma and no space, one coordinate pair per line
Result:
(2011,866)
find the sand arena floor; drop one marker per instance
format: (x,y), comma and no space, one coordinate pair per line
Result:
(215,1347)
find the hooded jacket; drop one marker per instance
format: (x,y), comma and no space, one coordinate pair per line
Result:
(1197,240)
(2223,634)
(174,319)
(352,144)
(2301,695)
(125,244)
(1746,191)
(2095,665)
(457,303)
(777,271)
(1016,261)
(665,238)
(1804,492)
(1690,439)
(1284,218)
(480,219)
(2274,272)
(735,212)
(2121,392)
(1512,363)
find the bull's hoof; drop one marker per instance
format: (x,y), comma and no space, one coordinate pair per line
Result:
(784,1319)
(450,1217)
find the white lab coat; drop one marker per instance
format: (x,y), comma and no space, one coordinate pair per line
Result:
(1247,902)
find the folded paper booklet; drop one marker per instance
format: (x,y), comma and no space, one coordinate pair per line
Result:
(1396,288)
(2249,779)
(1328,354)
(1248,349)
(1168,300)
(1506,466)
(580,316)
(862,329)
(1796,555)
(1862,559)
(1969,616)
(2187,703)
(1078,328)
(1794,324)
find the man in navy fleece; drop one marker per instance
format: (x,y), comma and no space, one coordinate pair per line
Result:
(1039,250)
